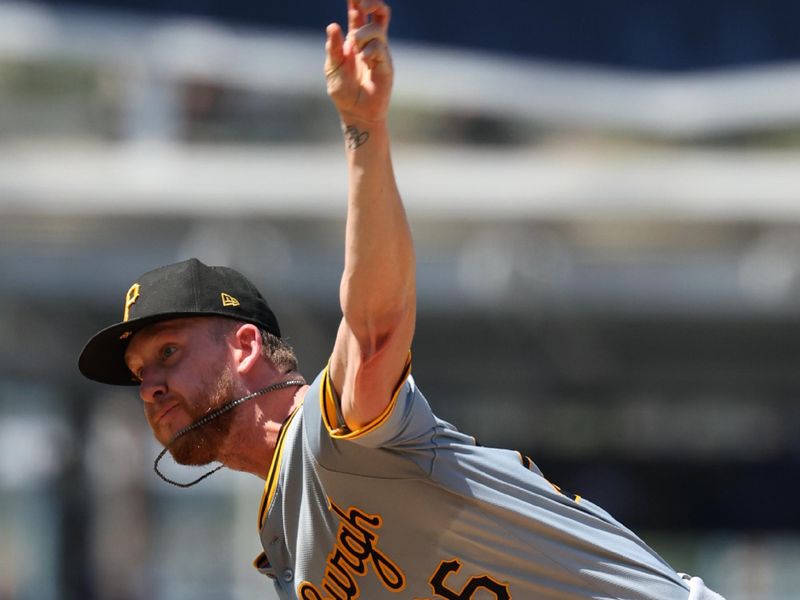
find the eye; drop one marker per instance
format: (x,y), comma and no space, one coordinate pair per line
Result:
(168,351)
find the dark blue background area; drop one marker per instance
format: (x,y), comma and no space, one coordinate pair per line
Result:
(640,34)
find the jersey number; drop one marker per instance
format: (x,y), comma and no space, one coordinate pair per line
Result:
(499,590)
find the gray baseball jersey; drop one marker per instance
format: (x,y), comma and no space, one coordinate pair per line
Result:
(410,508)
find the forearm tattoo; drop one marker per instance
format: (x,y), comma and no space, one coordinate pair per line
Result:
(353,137)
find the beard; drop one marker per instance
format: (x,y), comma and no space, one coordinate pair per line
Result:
(202,446)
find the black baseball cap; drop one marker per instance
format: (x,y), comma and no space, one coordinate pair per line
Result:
(184,289)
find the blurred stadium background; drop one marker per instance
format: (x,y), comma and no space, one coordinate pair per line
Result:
(605,202)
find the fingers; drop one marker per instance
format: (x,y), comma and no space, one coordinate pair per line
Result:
(377,11)
(367,34)
(355,16)
(368,24)
(370,38)
(334,49)
(361,12)
(376,56)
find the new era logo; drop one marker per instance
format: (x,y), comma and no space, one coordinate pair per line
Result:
(228,300)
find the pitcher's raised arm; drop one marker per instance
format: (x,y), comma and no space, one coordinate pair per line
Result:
(378,287)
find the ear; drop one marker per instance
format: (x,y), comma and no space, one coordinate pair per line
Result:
(247,347)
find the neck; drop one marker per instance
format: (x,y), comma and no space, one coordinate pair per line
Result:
(250,446)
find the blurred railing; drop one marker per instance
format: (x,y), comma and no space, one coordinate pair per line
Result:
(609,277)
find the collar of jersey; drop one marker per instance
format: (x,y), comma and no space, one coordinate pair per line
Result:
(274,469)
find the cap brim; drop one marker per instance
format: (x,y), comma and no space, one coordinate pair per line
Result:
(103,357)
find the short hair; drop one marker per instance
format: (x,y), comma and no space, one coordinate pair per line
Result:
(273,348)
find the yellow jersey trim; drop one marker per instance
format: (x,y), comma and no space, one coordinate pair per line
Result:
(329,403)
(261,562)
(272,478)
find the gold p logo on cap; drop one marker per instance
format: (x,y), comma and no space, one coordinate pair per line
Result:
(130,300)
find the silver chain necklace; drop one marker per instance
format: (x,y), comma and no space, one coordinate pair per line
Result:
(211,416)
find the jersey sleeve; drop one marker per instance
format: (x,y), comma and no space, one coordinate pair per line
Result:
(406,420)
(398,444)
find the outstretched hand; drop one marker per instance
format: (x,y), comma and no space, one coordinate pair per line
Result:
(358,67)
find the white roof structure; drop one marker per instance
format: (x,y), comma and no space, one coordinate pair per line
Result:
(152,173)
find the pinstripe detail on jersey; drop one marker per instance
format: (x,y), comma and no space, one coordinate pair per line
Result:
(274,469)
(331,411)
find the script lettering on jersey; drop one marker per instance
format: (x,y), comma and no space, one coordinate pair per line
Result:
(355,551)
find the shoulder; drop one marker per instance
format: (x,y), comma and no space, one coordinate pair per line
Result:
(407,421)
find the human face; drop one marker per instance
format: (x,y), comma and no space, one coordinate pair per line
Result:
(185,372)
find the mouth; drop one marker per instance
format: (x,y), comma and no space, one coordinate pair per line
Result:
(161,414)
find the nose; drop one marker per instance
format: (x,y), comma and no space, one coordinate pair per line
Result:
(153,387)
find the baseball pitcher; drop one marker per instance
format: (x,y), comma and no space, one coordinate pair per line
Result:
(368,494)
